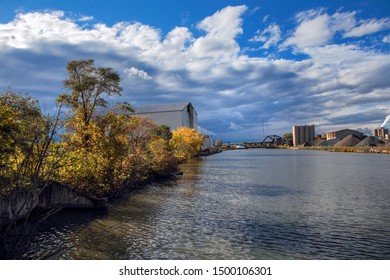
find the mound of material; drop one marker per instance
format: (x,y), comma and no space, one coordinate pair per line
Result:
(369,141)
(316,142)
(329,143)
(349,141)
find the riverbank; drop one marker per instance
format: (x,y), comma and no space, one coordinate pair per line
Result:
(243,204)
(376,150)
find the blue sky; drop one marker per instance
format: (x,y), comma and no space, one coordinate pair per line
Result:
(247,66)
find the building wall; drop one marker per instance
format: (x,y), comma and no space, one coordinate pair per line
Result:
(381,132)
(175,119)
(340,134)
(303,134)
(189,117)
(207,142)
(172,119)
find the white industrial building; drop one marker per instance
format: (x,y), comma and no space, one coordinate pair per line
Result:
(303,134)
(173,115)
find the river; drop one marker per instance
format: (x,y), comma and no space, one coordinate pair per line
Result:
(241,204)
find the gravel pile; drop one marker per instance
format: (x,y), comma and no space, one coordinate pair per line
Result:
(349,141)
(369,141)
(328,143)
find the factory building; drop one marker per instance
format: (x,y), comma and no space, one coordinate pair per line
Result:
(382,133)
(303,134)
(341,134)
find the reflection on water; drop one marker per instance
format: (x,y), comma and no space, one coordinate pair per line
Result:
(247,204)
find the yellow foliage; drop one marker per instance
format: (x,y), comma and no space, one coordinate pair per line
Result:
(186,143)
(113,151)
(163,159)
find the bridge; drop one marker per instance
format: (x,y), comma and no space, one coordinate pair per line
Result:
(271,141)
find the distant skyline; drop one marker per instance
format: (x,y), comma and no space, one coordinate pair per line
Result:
(246,66)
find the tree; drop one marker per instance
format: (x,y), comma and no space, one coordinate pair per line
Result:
(26,136)
(218,143)
(87,85)
(28,160)
(20,120)
(186,143)
(163,131)
(288,138)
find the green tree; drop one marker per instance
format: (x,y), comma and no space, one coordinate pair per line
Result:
(288,138)
(87,84)
(163,131)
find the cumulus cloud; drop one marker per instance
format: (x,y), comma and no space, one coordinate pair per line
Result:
(133,72)
(311,32)
(222,28)
(234,94)
(317,28)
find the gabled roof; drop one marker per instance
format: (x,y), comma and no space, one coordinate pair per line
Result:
(162,108)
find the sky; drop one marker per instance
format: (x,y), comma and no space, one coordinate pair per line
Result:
(250,68)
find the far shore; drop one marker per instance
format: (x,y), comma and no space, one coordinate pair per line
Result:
(373,149)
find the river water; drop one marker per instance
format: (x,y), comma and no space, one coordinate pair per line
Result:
(241,204)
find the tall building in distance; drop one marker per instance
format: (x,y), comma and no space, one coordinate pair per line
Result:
(382,133)
(303,134)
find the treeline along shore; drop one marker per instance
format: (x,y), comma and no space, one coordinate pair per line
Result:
(82,156)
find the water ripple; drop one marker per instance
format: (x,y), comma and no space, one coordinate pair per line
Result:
(253,204)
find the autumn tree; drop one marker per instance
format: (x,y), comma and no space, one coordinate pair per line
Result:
(26,138)
(218,143)
(28,160)
(20,119)
(87,86)
(186,143)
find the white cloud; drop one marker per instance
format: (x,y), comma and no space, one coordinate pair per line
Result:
(342,22)
(254,10)
(317,28)
(270,36)
(386,39)
(367,27)
(234,126)
(311,32)
(308,15)
(222,29)
(26,29)
(346,67)
(230,90)
(133,72)
(86,18)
